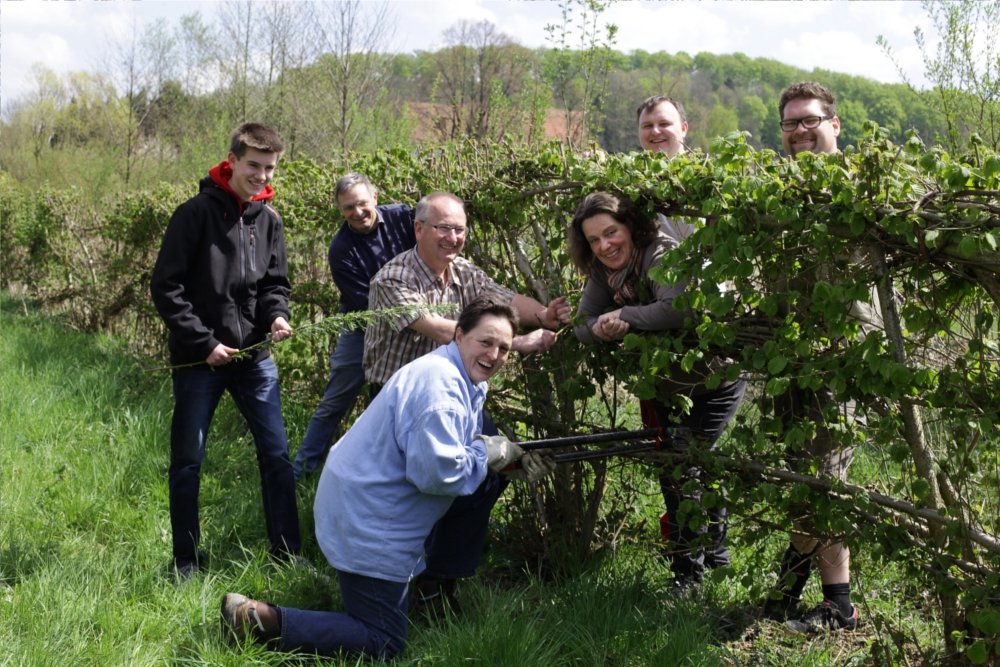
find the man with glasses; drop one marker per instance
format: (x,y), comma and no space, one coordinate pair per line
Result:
(809,123)
(430,274)
(433,273)
(369,237)
(809,119)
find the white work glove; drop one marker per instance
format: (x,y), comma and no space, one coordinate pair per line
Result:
(500,452)
(535,466)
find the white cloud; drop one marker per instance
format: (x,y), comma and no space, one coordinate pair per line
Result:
(770,16)
(420,24)
(20,49)
(836,50)
(672,27)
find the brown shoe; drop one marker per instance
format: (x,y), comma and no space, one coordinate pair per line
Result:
(243,618)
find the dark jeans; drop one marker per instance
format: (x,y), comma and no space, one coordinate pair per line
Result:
(693,545)
(372,624)
(254,388)
(346,378)
(455,545)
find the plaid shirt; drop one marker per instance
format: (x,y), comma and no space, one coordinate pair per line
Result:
(407,280)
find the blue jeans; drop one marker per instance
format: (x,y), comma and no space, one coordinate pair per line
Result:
(372,624)
(687,548)
(254,388)
(346,378)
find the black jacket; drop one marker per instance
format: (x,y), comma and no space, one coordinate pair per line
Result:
(221,277)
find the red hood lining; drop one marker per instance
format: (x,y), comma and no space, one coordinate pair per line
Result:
(223,172)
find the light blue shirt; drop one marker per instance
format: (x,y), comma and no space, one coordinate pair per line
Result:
(396,471)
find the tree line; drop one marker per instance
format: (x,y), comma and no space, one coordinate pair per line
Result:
(322,74)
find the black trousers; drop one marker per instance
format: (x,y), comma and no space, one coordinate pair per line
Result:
(695,540)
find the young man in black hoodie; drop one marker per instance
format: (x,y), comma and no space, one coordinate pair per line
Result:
(221,285)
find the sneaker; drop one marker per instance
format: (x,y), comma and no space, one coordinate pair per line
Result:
(243,618)
(825,617)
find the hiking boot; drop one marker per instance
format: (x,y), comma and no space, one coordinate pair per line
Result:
(781,608)
(243,618)
(825,617)
(684,586)
(431,597)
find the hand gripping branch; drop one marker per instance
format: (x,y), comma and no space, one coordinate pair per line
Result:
(646,440)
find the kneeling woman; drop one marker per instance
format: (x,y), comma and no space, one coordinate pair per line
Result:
(384,486)
(615,248)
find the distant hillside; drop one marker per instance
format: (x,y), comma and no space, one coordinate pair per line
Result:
(81,130)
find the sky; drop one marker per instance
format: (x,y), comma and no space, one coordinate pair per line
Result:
(838,35)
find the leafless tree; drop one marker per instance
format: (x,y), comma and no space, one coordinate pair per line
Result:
(194,54)
(270,43)
(132,71)
(348,80)
(482,76)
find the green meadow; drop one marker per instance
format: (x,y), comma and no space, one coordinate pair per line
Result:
(85,544)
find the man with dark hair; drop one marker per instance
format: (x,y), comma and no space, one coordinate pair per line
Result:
(369,237)
(809,123)
(220,284)
(415,451)
(662,125)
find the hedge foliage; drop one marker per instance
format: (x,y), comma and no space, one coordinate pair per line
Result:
(781,248)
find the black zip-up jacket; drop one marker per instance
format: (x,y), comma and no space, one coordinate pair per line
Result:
(221,275)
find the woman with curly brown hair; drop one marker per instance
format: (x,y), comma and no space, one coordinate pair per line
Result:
(615,247)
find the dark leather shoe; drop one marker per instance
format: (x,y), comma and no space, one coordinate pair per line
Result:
(185,568)
(433,597)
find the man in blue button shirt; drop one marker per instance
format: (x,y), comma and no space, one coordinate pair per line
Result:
(369,237)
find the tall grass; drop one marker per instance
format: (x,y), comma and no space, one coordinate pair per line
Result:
(85,544)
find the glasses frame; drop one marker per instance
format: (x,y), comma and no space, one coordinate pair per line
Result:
(802,122)
(444,230)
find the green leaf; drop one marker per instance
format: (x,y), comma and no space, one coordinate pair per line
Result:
(991,167)
(777,364)
(978,653)
(968,246)
(920,488)
(777,386)
(987,620)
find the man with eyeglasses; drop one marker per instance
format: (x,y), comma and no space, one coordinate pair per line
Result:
(370,235)
(809,119)
(430,274)
(434,273)
(809,123)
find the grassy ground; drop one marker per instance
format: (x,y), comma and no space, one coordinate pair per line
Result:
(84,551)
